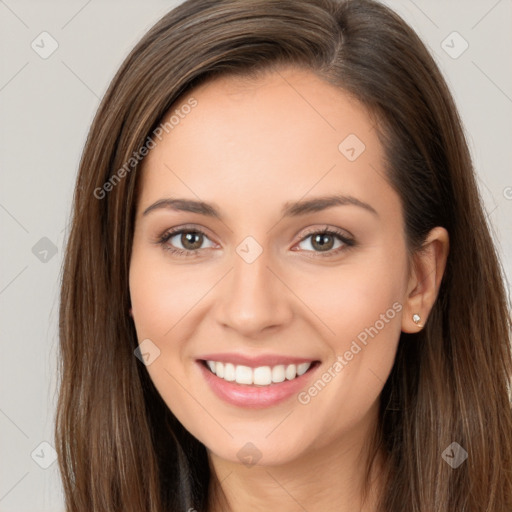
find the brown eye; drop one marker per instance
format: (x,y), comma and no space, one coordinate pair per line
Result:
(322,241)
(185,242)
(326,242)
(191,240)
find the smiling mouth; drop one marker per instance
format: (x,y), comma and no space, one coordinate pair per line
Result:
(259,376)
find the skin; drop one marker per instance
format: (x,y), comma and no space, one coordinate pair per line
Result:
(248,147)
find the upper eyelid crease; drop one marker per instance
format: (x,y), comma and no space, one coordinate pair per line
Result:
(290,209)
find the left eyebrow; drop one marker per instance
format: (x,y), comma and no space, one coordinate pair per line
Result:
(293,209)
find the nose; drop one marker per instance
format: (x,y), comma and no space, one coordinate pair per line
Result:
(253,298)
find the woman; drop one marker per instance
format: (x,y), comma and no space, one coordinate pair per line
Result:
(279,290)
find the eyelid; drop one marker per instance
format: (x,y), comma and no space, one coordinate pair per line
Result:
(344,236)
(338,231)
(171,232)
(186,227)
(347,240)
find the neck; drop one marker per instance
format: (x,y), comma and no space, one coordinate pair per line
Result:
(331,478)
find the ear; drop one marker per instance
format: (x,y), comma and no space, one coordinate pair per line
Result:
(130,312)
(427,270)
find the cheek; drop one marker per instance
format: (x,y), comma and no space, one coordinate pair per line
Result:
(353,297)
(359,306)
(161,298)
(151,299)
(161,294)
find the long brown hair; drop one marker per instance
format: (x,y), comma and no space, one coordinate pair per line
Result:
(119,446)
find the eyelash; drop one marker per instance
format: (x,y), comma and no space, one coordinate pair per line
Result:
(163,239)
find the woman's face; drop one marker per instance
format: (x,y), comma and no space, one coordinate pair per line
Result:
(276,162)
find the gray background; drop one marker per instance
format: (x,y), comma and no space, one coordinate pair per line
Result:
(46,107)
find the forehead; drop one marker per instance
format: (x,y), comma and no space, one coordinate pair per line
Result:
(249,142)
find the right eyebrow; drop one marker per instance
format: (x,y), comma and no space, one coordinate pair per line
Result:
(185,205)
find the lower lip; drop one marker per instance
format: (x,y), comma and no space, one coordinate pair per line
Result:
(255,397)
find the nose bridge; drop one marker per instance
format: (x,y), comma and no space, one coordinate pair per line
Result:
(253,298)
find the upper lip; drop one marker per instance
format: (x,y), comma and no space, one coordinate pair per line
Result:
(255,361)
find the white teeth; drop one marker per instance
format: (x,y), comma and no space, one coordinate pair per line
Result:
(303,368)
(260,376)
(278,373)
(218,369)
(243,375)
(291,372)
(229,372)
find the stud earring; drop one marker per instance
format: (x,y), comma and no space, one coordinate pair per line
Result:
(416,319)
